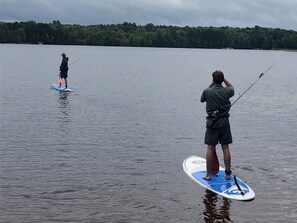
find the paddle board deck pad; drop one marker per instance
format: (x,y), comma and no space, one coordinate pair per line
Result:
(62,88)
(235,188)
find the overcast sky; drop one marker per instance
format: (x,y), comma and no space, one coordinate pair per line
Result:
(234,13)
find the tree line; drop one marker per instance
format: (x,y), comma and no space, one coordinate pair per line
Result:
(149,35)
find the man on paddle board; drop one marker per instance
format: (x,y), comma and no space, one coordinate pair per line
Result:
(217,125)
(64,70)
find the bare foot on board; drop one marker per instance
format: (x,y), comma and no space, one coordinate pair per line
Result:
(206,177)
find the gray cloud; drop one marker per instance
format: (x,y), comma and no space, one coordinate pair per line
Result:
(239,13)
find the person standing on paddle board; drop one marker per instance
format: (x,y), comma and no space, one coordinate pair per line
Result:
(64,70)
(217,125)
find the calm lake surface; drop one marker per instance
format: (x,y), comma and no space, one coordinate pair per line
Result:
(112,150)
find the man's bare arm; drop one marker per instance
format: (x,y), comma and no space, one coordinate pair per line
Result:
(228,84)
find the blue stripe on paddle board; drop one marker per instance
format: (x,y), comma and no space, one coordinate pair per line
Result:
(219,183)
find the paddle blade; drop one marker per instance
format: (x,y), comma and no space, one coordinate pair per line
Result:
(215,165)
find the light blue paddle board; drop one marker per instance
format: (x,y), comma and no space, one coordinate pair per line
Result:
(235,188)
(61,89)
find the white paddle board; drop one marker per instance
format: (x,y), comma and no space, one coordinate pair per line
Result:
(62,88)
(235,188)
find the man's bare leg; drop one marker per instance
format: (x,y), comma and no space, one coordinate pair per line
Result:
(227,159)
(66,83)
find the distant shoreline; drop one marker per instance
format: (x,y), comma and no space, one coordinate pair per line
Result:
(150,35)
(289,50)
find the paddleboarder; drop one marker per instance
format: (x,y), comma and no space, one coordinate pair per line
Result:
(217,125)
(64,70)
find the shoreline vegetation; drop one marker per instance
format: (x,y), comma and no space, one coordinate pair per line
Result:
(149,35)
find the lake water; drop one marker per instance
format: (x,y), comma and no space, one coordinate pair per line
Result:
(112,150)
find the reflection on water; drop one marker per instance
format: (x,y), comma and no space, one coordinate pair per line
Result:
(64,107)
(217,209)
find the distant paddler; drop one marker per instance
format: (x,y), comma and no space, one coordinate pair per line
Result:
(64,70)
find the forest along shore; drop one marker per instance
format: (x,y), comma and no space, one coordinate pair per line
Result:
(149,35)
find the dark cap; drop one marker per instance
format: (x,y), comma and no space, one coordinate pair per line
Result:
(63,55)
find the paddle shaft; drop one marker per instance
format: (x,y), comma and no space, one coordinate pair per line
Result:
(237,184)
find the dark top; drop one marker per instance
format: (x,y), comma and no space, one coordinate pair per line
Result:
(218,103)
(217,99)
(64,64)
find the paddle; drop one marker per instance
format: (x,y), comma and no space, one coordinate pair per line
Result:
(215,164)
